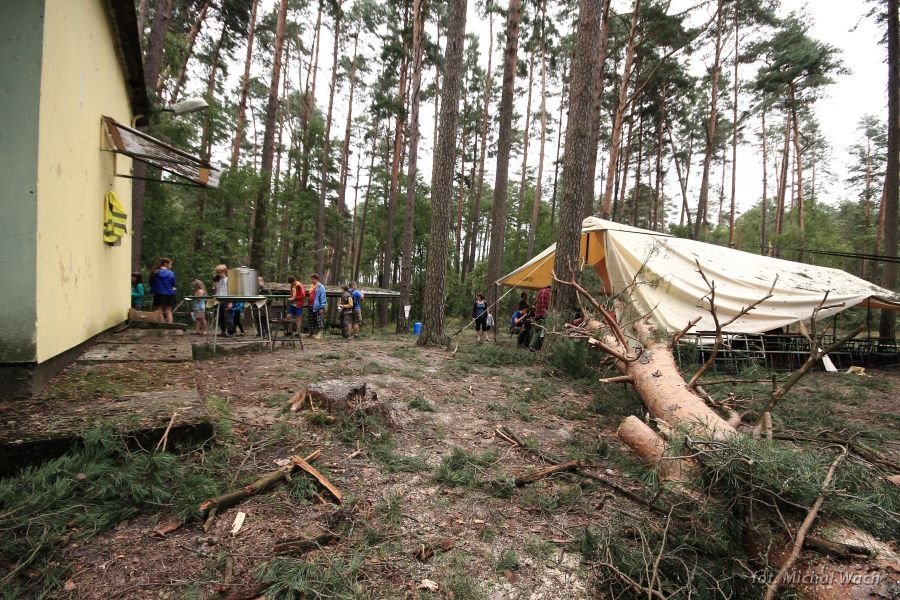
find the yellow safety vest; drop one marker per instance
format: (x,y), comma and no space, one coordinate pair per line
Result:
(114,218)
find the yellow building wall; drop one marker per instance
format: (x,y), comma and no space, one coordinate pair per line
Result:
(83,284)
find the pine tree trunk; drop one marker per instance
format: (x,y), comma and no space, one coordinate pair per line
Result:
(260,222)
(798,155)
(242,103)
(635,196)
(619,116)
(764,212)
(504,144)
(326,151)
(619,211)
(559,137)
(600,47)
(396,161)
(152,64)
(702,222)
(734,130)
(578,169)
(337,262)
(485,111)
(538,183)
(657,200)
(406,257)
(523,180)
(682,178)
(309,102)
(433,300)
(891,202)
(782,182)
(362,222)
(206,143)
(191,39)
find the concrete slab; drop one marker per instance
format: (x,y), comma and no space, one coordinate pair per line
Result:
(149,350)
(35,430)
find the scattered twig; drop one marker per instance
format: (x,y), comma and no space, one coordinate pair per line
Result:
(680,334)
(301,545)
(323,481)
(161,445)
(566,467)
(773,586)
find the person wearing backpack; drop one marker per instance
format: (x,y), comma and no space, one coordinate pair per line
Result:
(346,307)
(357,308)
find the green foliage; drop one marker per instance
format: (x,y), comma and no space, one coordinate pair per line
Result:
(91,489)
(378,442)
(507,561)
(322,577)
(458,583)
(390,509)
(420,403)
(460,468)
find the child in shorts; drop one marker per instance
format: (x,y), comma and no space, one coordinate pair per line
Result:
(198,308)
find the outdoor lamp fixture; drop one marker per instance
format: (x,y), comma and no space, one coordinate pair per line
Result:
(185,107)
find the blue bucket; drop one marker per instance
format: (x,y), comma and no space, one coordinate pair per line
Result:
(417,328)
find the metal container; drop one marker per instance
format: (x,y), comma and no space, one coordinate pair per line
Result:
(242,281)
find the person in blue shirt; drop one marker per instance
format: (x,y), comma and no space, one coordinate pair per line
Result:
(357,308)
(318,307)
(162,284)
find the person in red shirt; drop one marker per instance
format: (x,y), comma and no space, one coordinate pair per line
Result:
(295,304)
(541,306)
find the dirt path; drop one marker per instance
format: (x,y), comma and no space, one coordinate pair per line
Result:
(438,476)
(506,542)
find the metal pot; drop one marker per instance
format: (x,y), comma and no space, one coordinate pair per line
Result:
(242,281)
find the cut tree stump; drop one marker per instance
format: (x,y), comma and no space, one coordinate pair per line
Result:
(340,397)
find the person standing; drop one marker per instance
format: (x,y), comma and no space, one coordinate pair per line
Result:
(318,306)
(220,288)
(357,308)
(295,304)
(162,284)
(198,308)
(137,291)
(541,306)
(346,306)
(480,314)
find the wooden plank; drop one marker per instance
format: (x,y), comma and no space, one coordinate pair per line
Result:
(323,481)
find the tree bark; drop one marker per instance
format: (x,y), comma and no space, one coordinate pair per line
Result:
(326,150)
(387,261)
(260,222)
(578,169)
(764,211)
(559,137)
(152,64)
(619,115)
(191,39)
(479,187)
(734,130)
(242,103)
(362,222)
(798,155)
(891,201)
(337,262)
(523,179)
(411,174)
(433,301)
(504,144)
(601,48)
(538,183)
(782,181)
(701,223)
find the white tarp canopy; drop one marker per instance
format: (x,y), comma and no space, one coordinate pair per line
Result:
(669,284)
